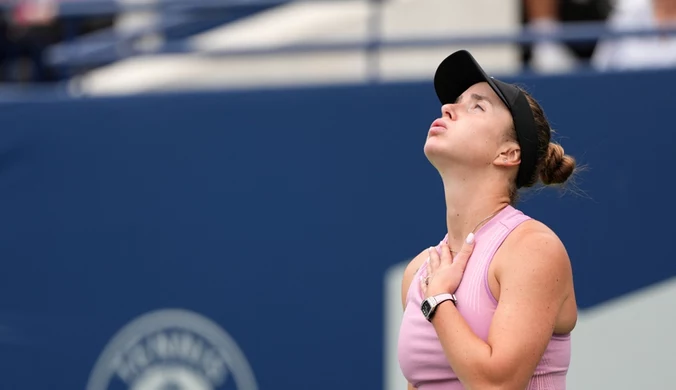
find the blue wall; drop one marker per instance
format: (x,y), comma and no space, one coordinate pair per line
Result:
(276,213)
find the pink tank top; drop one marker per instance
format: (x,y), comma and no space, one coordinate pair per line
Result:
(421,357)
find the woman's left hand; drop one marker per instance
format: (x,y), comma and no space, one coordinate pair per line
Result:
(444,272)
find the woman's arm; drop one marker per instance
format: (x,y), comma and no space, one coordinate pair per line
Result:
(534,283)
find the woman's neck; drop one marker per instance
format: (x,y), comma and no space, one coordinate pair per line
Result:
(468,205)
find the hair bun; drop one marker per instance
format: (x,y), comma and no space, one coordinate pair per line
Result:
(557,166)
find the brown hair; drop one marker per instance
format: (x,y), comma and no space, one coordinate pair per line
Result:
(553,165)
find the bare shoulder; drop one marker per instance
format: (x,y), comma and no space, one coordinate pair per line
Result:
(533,273)
(409,273)
(535,248)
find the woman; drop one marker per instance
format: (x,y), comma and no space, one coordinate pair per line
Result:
(493,305)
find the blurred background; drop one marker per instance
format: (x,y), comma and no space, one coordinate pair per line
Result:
(222,194)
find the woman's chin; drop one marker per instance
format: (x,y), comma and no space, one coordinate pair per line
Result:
(433,147)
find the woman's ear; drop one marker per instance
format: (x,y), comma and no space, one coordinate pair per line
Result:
(509,156)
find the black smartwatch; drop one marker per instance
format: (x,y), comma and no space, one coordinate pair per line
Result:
(429,305)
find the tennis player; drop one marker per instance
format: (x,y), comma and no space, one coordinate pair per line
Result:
(493,305)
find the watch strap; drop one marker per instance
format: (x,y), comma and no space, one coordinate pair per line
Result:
(443,297)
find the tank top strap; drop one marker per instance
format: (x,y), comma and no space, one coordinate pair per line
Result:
(493,234)
(513,218)
(490,239)
(414,287)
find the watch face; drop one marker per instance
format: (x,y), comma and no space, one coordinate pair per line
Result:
(426,308)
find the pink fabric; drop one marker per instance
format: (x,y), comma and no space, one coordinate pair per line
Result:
(421,357)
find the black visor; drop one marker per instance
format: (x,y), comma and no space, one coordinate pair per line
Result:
(459,71)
